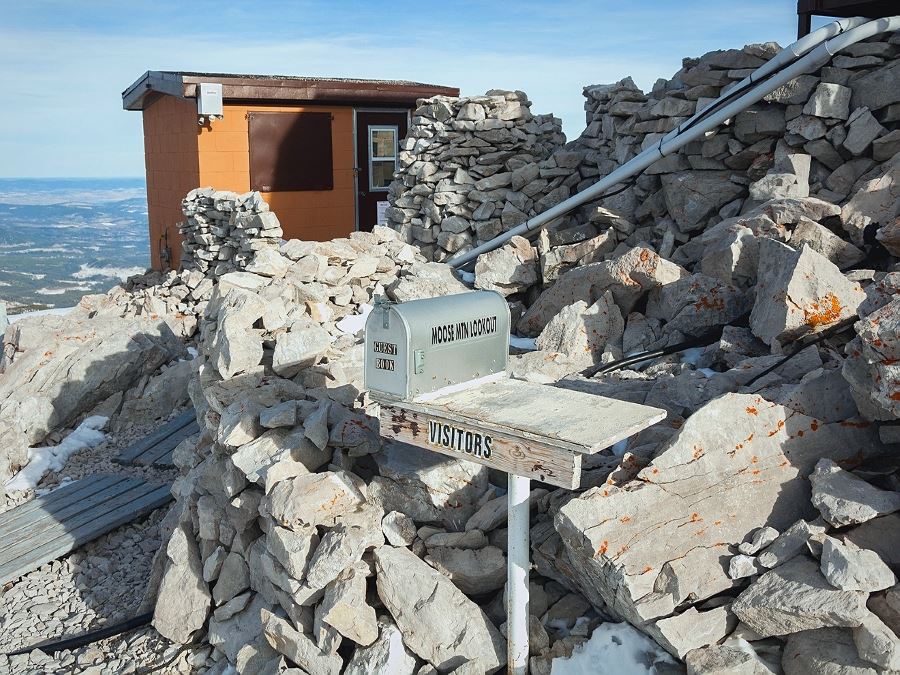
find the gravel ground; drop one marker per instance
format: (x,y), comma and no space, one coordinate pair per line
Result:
(99,584)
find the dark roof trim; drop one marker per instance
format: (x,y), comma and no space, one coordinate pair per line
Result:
(281,88)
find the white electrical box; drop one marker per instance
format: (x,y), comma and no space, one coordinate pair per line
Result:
(209,99)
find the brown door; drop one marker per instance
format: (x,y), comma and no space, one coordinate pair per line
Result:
(378,136)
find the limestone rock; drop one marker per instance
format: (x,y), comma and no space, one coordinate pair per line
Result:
(730,658)
(299,348)
(280,415)
(877,200)
(341,547)
(871,366)
(850,568)
(843,499)
(877,643)
(582,332)
(638,545)
(761,538)
(426,486)
(299,648)
(798,293)
(693,196)
(292,548)
(789,543)
(437,621)
(344,608)
(560,259)
(473,571)
(829,100)
(234,577)
(231,633)
(822,240)
(796,597)
(627,277)
(828,651)
(428,280)
(694,304)
(313,499)
(691,629)
(183,600)
(386,656)
(509,269)
(78,366)
(399,529)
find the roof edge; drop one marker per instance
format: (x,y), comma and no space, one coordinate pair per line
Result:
(281,88)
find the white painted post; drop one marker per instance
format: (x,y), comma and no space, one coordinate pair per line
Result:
(518,565)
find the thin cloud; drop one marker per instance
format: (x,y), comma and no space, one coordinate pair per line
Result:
(62,112)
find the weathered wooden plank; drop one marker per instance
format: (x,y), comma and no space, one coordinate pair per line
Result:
(128,455)
(82,533)
(56,499)
(564,418)
(165,461)
(167,445)
(46,526)
(466,439)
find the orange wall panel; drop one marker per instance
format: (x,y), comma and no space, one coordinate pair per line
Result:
(224,160)
(180,155)
(170,156)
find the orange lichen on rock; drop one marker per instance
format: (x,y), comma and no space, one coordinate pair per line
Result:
(823,313)
(752,411)
(603,548)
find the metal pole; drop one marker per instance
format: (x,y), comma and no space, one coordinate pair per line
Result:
(517,567)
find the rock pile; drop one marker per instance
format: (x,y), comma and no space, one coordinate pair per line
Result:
(226,231)
(755,529)
(299,538)
(473,167)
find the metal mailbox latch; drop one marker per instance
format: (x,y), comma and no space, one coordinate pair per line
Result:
(419,361)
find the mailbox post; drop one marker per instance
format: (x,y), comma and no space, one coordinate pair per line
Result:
(437,369)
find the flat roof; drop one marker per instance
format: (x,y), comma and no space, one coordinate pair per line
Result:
(274,88)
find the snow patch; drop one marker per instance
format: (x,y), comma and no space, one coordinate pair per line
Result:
(618,449)
(523,342)
(614,649)
(352,324)
(691,356)
(54,457)
(121,273)
(61,311)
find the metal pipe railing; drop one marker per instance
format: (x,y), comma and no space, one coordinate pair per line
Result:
(844,32)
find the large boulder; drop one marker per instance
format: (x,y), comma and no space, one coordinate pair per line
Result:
(438,622)
(877,200)
(183,602)
(872,366)
(799,292)
(639,545)
(77,367)
(628,277)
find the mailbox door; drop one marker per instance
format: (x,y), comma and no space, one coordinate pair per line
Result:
(386,360)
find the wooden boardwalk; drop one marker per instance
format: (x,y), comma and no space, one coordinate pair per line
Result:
(50,526)
(156,449)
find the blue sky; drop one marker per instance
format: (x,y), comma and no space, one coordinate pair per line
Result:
(64,64)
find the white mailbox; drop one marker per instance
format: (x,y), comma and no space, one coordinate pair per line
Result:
(417,347)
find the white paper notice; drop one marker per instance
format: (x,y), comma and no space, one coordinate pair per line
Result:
(380,208)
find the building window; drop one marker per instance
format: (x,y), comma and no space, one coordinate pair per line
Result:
(382,156)
(290,151)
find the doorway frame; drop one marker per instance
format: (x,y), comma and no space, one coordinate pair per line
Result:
(356,160)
